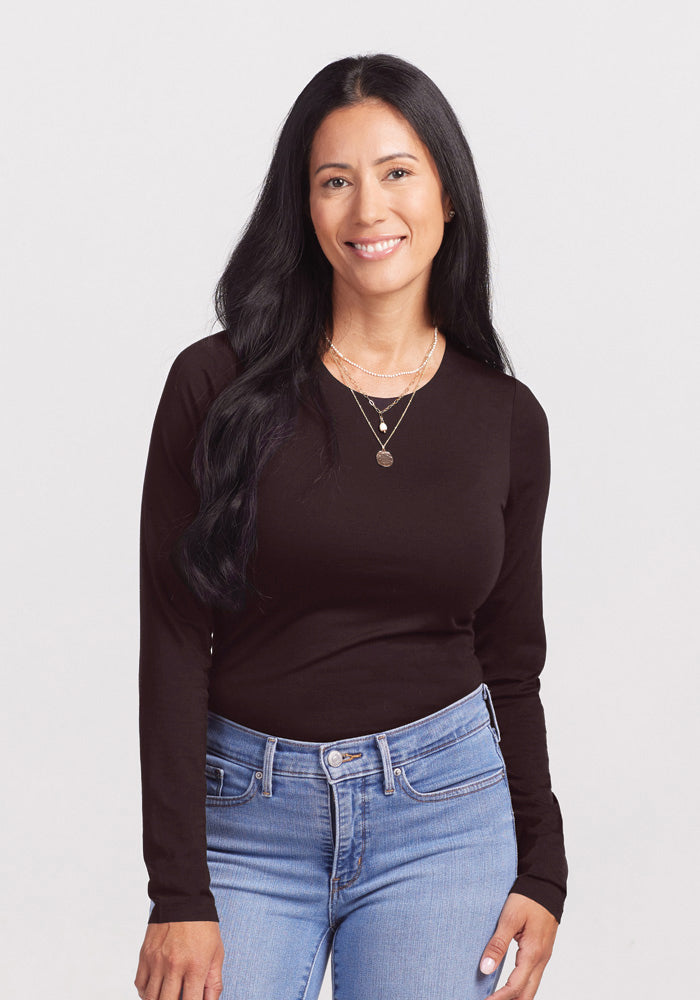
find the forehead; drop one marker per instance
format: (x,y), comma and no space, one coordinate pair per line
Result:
(362,131)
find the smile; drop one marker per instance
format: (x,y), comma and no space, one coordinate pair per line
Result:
(382,248)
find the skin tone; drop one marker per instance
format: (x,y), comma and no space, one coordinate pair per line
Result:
(185,956)
(379,212)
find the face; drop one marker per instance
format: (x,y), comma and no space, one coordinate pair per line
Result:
(376,200)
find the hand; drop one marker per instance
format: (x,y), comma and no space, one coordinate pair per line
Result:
(185,956)
(534,928)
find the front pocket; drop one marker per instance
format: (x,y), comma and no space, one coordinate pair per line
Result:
(457,768)
(229,781)
(215,779)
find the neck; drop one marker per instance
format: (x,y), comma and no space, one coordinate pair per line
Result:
(383,333)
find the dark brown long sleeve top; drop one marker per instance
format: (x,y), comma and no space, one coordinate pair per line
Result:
(389,593)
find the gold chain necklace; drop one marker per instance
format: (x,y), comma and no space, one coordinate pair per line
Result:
(383,374)
(419,371)
(384,456)
(384,409)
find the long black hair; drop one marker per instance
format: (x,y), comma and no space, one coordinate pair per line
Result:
(274,302)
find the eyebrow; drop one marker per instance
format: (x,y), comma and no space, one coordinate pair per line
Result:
(382,159)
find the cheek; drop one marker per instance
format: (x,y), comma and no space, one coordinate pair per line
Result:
(323,230)
(428,217)
(325,226)
(437,224)
(322,218)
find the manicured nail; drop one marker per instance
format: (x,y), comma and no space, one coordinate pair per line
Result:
(488,965)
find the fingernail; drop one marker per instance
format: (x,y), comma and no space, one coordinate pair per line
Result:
(488,965)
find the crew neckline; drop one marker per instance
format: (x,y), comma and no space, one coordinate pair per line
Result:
(386,399)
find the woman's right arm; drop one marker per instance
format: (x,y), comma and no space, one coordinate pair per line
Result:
(174,662)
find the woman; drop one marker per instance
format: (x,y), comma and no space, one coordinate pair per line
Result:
(343,746)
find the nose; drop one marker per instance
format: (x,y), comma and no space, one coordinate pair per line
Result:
(370,206)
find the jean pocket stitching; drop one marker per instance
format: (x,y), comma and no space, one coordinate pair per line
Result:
(229,800)
(451,793)
(217,775)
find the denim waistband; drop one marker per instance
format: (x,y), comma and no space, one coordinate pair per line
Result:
(338,760)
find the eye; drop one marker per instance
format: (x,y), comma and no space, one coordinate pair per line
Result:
(399,170)
(335,182)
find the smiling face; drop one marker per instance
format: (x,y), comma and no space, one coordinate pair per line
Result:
(376,201)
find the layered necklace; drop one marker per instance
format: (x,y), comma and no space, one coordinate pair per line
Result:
(383,456)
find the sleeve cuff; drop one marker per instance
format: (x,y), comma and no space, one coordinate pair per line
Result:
(174,911)
(545,893)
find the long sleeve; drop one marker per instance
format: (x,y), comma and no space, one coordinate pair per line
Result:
(174,661)
(510,643)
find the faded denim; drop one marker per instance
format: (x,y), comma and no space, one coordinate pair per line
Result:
(392,853)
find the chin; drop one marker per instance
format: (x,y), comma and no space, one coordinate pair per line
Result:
(385,287)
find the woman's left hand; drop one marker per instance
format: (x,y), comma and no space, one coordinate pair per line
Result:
(534,928)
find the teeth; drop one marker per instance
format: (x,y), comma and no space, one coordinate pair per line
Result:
(374,247)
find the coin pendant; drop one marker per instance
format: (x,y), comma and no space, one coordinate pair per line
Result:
(385,458)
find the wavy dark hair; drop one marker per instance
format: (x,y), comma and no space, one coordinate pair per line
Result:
(274,303)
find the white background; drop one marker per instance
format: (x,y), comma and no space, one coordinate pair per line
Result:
(135,138)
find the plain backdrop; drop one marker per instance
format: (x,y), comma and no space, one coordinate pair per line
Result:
(135,138)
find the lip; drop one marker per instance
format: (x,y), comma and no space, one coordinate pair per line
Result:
(373,241)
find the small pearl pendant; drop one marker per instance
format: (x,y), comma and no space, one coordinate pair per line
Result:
(383,427)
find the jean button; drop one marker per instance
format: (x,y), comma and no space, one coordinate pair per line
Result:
(335,758)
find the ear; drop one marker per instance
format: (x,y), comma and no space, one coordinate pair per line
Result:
(447,208)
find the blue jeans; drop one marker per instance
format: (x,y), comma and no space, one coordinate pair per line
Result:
(394,852)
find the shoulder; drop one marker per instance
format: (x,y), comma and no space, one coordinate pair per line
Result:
(511,411)
(529,441)
(197,375)
(203,368)
(529,417)
(505,394)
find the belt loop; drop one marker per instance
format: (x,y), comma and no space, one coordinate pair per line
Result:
(386,763)
(267,764)
(492,711)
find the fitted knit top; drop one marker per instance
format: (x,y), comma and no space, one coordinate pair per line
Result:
(387,594)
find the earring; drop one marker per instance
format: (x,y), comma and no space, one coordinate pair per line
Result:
(452,213)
